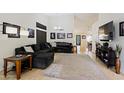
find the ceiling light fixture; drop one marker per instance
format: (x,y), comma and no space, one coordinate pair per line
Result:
(59,28)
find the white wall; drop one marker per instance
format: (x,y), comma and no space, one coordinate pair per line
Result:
(107,17)
(65,21)
(94,32)
(7,45)
(79,26)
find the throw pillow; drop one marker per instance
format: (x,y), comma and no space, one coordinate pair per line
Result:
(28,49)
(53,44)
(47,45)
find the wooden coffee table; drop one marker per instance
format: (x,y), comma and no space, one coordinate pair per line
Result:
(17,61)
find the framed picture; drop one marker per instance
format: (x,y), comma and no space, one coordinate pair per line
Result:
(69,35)
(60,35)
(83,36)
(12,30)
(121,28)
(31,33)
(52,36)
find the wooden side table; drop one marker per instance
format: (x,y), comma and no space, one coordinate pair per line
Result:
(17,61)
(74,49)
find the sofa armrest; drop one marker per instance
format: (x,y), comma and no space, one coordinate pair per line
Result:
(19,51)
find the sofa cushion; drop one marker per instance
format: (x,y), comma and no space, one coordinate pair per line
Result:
(53,44)
(43,51)
(43,46)
(45,55)
(37,47)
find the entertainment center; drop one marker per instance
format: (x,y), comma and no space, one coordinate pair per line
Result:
(105,53)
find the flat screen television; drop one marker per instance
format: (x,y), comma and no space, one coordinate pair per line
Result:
(106,32)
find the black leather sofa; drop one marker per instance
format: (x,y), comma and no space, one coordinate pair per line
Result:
(63,47)
(43,55)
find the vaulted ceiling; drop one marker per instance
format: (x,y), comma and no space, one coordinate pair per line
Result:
(82,21)
(87,18)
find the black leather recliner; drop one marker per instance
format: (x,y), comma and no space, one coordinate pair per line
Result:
(43,55)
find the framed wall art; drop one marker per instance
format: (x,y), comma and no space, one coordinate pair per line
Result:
(121,28)
(52,36)
(83,36)
(60,35)
(12,30)
(69,35)
(31,33)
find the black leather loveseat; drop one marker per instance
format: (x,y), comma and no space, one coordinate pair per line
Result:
(43,54)
(63,47)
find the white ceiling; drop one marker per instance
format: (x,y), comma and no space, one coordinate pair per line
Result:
(87,18)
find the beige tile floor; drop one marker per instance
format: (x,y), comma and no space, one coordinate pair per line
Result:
(37,74)
(109,72)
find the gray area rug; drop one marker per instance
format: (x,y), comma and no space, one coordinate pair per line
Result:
(54,70)
(75,67)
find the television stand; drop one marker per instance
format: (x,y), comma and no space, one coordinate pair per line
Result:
(107,56)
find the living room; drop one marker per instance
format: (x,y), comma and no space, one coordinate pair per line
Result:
(93,64)
(59,28)
(66,23)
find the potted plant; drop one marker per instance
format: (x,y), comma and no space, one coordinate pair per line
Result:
(118,63)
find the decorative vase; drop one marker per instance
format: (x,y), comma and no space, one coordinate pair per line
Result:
(117,65)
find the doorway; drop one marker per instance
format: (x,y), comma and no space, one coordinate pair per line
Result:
(89,43)
(78,43)
(40,36)
(78,40)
